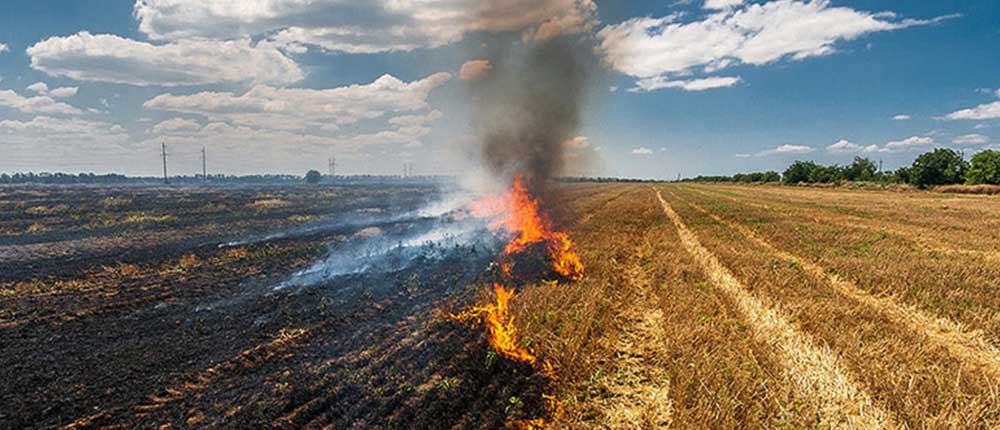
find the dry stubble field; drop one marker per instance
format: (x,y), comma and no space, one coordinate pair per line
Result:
(780,307)
(702,307)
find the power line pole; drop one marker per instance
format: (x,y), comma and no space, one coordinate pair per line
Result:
(163,153)
(204,169)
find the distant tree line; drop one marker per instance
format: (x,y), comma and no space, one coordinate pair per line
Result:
(114,178)
(938,167)
(606,179)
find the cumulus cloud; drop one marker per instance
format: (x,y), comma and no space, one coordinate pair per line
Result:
(114,59)
(295,108)
(721,4)
(981,112)
(901,117)
(737,33)
(913,143)
(4,48)
(45,134)
(361,27)
(43,89)
(786,149)
(37,104)
(843,146)
(38,87)
(474,70)
(642,151)
(970,139)
(176,125)
(660,82)
(412,120)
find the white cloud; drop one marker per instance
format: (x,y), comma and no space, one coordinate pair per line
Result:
(38,87)
(642,151)
(983,111)
(412,120)
(474,70)
(43,89)
(786,149)
(659,82)
(981,126)
(754,34)
(110,58)
(36,104)
(175,125)
(295,108)
(47,135)
(912,143)
(970,139)
(361,27)
(901,117)
(843,146)
(721,4)
(4,48)
(63,92)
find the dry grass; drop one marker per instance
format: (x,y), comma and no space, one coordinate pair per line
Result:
(823,308)
(643,341)
(969,189)
(813,370)
(925,370)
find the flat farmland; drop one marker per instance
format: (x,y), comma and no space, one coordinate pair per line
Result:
(788,307)
(702,306)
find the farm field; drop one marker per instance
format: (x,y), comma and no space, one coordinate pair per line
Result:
(702,306)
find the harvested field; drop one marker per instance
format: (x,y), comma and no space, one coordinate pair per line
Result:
(702,306)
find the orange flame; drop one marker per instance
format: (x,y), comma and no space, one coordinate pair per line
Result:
(502,334)
(519,214)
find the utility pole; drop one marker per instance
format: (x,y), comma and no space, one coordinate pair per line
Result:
(163,153)
(204,165)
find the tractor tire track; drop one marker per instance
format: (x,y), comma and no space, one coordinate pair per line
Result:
(639,392)
(814,371)
(970,347)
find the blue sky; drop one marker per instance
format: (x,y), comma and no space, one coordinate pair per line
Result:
(697,87)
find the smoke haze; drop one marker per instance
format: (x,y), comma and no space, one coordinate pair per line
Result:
(526,107)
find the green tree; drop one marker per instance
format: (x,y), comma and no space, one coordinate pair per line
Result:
(861,169)
(938,167)
(800,171)
(985,168)
(313,177)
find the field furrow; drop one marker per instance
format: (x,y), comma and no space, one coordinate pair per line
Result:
(814,370)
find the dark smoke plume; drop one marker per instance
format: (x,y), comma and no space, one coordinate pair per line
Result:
(527,107)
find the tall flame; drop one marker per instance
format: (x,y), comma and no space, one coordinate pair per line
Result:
(519,214)
(500,326)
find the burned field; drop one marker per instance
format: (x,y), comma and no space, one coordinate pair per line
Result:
(146,307)
(393,307)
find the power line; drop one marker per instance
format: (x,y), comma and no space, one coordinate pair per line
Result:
(163,153)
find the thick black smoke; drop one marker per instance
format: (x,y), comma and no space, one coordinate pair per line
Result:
(527,107)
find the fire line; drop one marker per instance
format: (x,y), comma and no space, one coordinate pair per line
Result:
(519,214)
